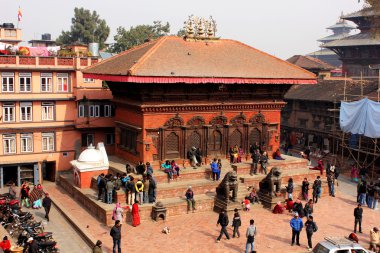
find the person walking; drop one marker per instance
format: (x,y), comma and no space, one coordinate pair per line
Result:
(305,189)
(98,247)
(190,199)
(236,223)
(46,203)
(264,162)
(135,214)
(358,214)
(223,222)
(24,196)
(362,191)
(100,183)
(255,161)
(117,213)
(371,195)
(115,233)
(296,224)
(250,234)
(331,183)
(139,187)
(290,188)
(12,191)
(374,240)
(146,189)
(109,188)
(308,209)
(152,189)
(317,186)
(310,227)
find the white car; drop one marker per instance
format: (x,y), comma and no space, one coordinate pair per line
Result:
(339,245)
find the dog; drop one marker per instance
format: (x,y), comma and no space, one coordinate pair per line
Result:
(166,230)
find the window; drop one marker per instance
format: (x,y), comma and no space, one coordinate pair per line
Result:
(81,111)
(47,141)
(88,139)
(10,32)
(94,110)
(25,111)
(8,112)
(110,139)
(46,82)
(25,80)
(62,82)
(47,110)
(26,142)
(302,122)
(88,80)
(7,81)
(128,139)
(9,143)
(107,111)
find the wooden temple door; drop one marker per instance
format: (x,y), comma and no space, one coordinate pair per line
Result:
(172,145)
(215,143)
(236,138)
(255,136)
(173,138)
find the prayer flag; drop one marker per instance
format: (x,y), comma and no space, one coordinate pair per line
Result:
(19,14)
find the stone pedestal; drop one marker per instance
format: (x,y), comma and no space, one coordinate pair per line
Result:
(221,204)
(158,210)
(269,201)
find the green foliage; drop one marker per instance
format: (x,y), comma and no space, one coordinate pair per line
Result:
(86,27)
(181,33)
(126,39)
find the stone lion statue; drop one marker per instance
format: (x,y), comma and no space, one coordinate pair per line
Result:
(271,184)
(229,183)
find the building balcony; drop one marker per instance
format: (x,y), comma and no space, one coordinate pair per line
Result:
(32,62)
(41,96)
(94,122)
(25,125)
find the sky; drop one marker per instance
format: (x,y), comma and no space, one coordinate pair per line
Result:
(280,27)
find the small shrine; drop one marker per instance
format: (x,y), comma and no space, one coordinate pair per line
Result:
(91,162)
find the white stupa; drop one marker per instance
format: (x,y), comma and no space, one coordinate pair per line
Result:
(91,161)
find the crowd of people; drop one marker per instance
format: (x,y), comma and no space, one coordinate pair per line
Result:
(142,189)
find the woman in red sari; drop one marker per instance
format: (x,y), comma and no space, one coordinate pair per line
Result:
(135,214)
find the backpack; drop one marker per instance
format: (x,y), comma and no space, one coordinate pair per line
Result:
(315,227)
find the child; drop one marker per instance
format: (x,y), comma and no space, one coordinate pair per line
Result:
(236,223)
(247,204)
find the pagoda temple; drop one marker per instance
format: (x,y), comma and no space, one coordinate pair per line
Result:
(358,52)
(340,29)
(176,93)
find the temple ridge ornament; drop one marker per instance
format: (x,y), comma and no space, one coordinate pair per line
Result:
(200,28)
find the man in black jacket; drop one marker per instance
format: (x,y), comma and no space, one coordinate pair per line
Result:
(116,236)
(358,214)
(46,203)
(223,221)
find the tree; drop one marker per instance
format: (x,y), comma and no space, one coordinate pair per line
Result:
(86,27)
(126,39)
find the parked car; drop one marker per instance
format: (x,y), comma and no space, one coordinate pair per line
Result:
(339,245)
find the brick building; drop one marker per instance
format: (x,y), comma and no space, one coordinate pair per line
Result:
(48,111)
(174,93)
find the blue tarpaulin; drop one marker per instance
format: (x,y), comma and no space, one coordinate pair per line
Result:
(360,117)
